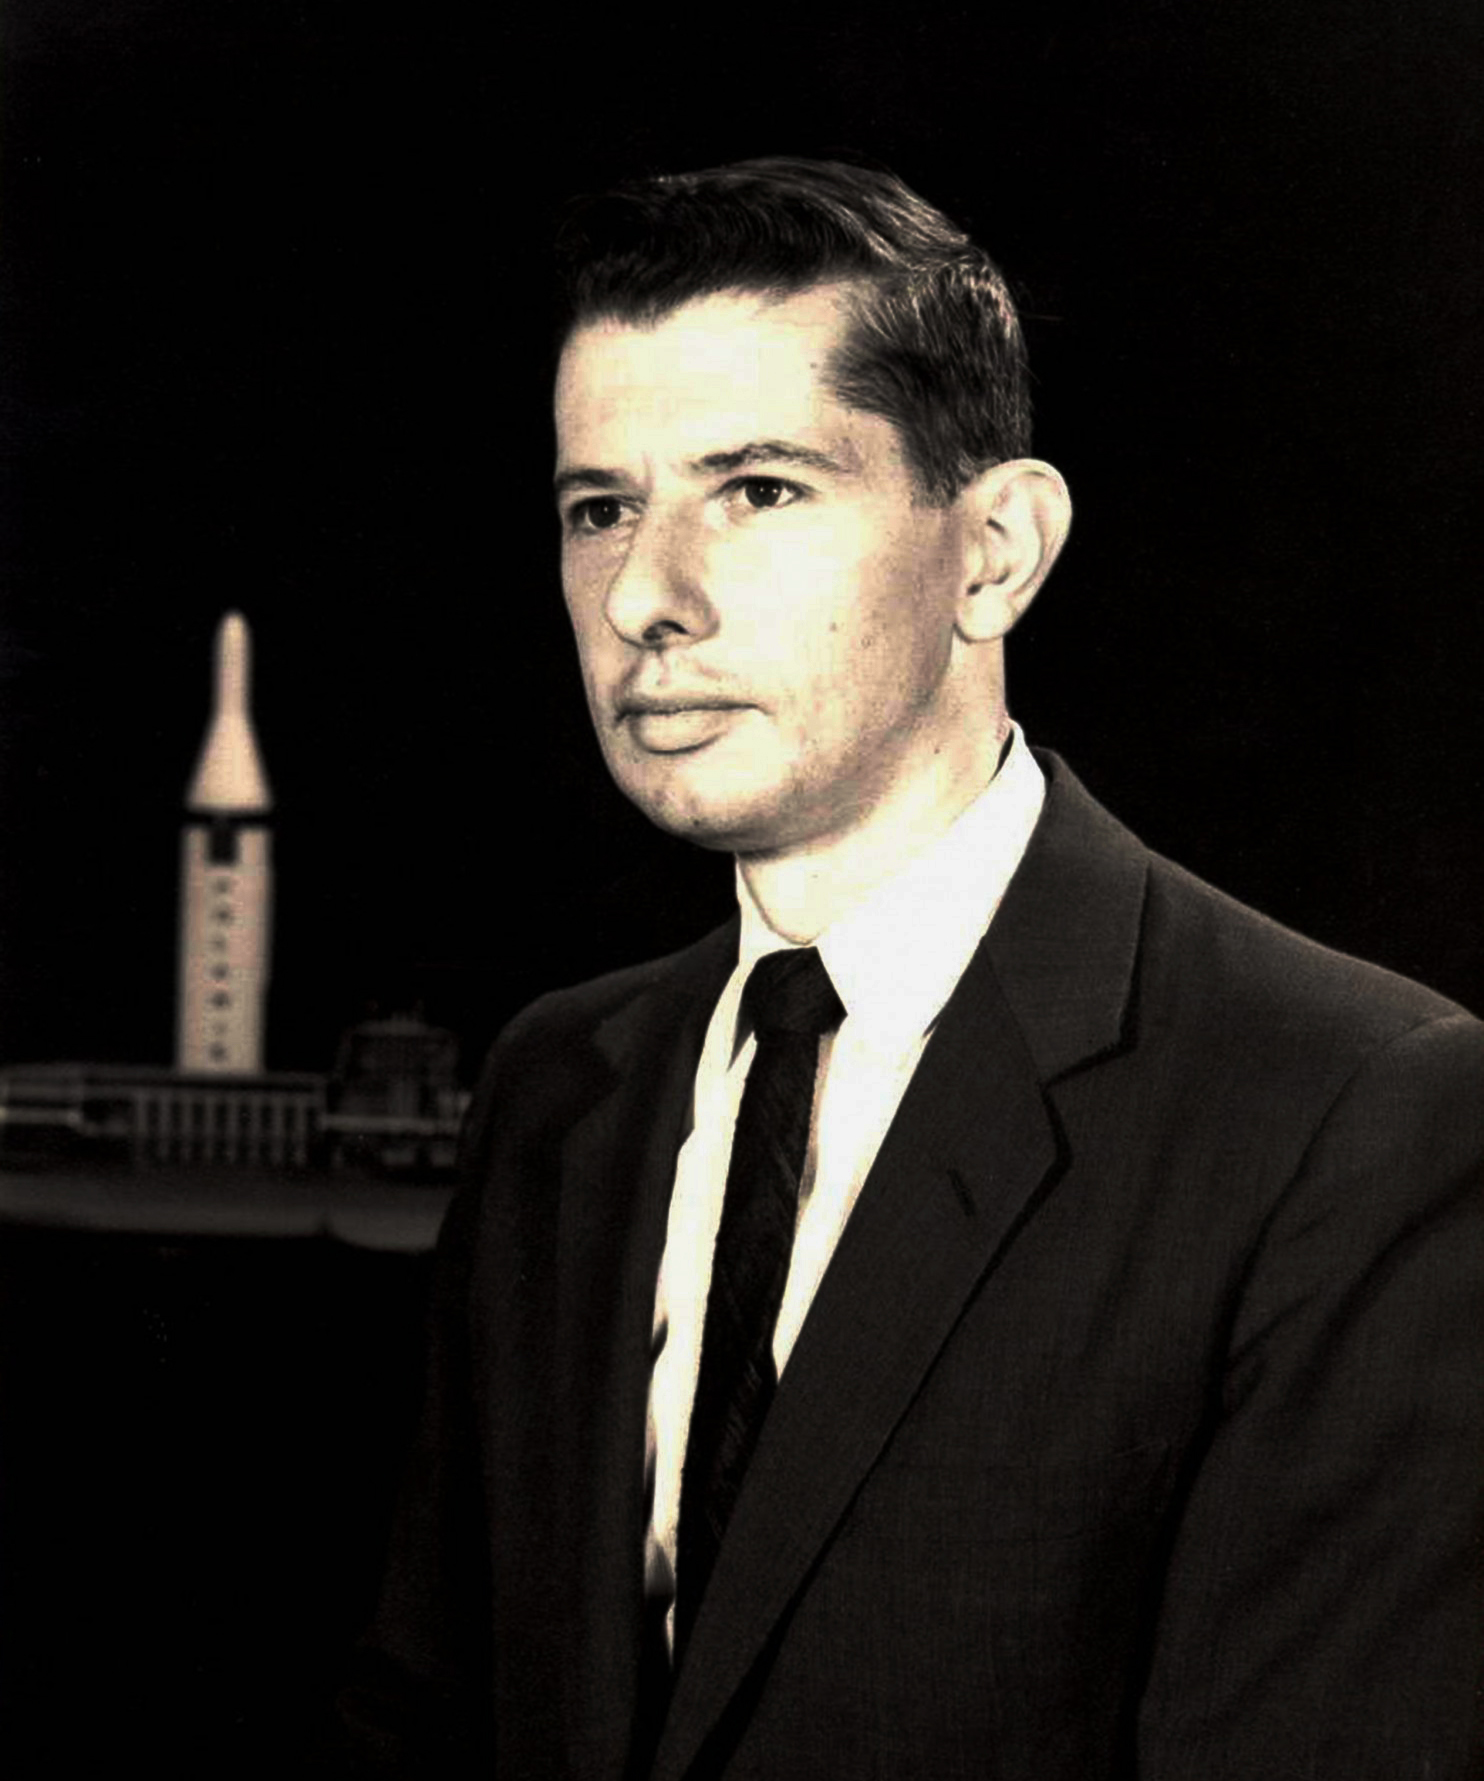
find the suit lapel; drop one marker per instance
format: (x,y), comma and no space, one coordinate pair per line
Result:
(959,1170)
(617,1171)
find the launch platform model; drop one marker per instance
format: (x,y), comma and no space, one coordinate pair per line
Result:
(393,1103)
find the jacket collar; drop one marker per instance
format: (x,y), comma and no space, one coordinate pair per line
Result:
(1064,943)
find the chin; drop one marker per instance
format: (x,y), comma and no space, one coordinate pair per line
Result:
(705,827)
(729,824)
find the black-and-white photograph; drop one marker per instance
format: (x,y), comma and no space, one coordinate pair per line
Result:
(741,762)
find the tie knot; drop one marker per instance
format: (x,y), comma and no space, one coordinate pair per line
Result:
(791,992)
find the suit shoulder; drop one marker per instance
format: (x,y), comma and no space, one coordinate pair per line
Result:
(543,1056)
(1250,972)
(538,1043)
(561,1014)
(1223,992)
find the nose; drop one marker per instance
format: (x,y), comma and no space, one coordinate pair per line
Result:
(656,596)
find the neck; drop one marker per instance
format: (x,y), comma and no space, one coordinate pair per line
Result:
(802,890)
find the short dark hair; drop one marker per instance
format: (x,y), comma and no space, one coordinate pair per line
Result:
(934,346)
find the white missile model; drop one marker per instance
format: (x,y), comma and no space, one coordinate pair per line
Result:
(226,881)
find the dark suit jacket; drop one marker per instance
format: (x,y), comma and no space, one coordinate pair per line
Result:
(1135,1430)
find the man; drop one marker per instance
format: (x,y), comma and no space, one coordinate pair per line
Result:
(998,1308)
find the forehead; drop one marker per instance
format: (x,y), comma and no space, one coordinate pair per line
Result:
(736,364)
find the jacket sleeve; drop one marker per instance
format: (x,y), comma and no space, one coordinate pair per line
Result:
(1322,1614)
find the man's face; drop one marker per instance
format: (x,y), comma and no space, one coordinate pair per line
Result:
(765,614)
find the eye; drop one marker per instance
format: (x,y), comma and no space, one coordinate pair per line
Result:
(762,493)
(598,513)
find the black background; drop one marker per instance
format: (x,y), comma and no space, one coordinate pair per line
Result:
(273,300)
(274,307)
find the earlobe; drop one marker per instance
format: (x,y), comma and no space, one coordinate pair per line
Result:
(1016,515)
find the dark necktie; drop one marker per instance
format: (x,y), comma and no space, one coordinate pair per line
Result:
(789,1002)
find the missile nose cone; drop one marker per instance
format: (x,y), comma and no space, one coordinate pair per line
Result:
(232,663)
(229,773)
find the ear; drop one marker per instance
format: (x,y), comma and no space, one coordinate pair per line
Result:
(1016,518)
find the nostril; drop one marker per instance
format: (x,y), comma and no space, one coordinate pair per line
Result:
(661,629)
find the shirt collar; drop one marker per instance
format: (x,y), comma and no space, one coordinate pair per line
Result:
(896,955)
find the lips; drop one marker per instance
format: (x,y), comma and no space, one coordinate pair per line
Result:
(668,704)
(675,723)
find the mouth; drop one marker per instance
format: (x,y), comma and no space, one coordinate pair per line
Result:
(674,724)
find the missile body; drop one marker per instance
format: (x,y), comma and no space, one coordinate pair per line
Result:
(226,881)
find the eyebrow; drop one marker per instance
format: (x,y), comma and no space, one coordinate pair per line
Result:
(775,451)
(716,463)
(587,479)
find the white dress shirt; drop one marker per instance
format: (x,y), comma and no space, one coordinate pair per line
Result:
(894,959)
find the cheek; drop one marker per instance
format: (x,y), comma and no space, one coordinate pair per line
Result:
(587,569)
(585,613)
